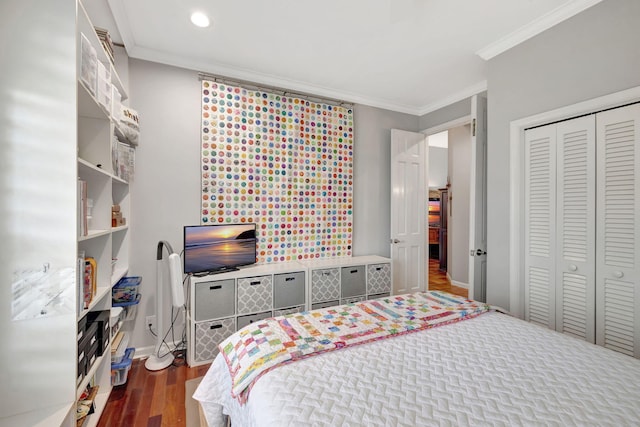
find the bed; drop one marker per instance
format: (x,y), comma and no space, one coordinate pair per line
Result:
(484,368)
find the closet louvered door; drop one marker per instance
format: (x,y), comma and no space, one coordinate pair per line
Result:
(575,232)
(560,226)
(540,224)
(618,230)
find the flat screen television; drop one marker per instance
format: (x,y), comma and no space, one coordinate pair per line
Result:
(219,247)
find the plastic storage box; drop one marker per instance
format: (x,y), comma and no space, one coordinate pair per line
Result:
(126,290)
(119,371)
(130,308)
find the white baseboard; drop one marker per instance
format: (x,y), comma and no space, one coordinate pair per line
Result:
(144,352)
(455,283)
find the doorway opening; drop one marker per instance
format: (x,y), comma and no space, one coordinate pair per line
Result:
(449,169)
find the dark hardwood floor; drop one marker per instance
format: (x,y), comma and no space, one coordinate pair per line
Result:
(150,399)
(156,399)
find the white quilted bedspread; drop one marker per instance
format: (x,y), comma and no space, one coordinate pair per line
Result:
(490,370)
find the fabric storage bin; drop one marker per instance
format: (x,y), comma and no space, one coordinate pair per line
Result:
(288,289)
(377,296)
(353,281)
(352,300)
(255,294)
(209,334)
(215,299)
(119,371)
(286,311)
(325,285)
(378,278)
(246,320)
(324,304)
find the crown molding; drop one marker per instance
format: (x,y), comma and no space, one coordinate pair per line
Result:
(535,27)
(458,96)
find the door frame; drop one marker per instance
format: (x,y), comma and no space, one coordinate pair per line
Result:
(516,174)
(461,121)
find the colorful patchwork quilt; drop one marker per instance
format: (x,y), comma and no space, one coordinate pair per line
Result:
(266,344)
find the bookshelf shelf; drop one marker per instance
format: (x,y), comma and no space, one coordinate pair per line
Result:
(92,234)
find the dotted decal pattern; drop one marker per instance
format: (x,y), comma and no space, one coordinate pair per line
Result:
(283,163)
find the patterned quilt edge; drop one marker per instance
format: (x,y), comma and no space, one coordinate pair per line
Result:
(243,395)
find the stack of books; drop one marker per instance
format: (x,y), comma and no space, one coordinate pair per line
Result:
(106,41)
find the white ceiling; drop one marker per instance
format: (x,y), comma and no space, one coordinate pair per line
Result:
(412,56)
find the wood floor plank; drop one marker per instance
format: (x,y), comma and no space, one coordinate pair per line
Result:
(144,408)
(155,421)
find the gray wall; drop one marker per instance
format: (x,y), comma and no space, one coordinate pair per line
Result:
(458,226)
(590,55)
(372,171)
(438,170)
(166,189)
(165,194)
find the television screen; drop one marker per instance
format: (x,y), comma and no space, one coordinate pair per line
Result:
(434,213)
(211,248)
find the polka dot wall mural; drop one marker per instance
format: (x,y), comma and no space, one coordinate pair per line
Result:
(283,163)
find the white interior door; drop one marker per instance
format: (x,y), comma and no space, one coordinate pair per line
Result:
(409,161)
(478,201)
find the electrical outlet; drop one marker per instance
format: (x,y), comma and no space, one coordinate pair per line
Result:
(151,323)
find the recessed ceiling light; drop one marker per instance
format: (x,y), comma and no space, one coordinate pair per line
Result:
(199,19)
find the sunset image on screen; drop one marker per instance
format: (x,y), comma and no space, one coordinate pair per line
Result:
(213,247)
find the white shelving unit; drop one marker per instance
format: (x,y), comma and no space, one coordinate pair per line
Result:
(108,245)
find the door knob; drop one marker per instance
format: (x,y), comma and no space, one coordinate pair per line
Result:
(395,241)
(618,274)
(573,267)
(480,252)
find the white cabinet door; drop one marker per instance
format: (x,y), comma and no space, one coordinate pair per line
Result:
(540,224)
(575,233)
(618,230)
